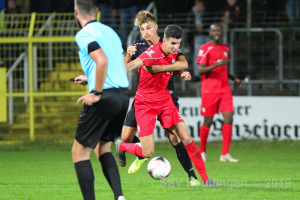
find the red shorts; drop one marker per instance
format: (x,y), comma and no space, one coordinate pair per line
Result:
(146,113)
(214,102)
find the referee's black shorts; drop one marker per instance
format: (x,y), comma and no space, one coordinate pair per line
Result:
(104,119)
(130,119)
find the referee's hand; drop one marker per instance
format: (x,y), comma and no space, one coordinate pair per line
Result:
(89,99)
(82,79)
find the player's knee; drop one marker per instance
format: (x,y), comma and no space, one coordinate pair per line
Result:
(148,153)
(208,122)
(228,120)
(75,152)
(127,134)
(173,139)
(125,138)
(186,139)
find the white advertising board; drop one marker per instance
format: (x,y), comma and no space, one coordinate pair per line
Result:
(262,118)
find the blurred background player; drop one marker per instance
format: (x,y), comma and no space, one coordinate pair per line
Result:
(148,29)
(105,107)
(215,90)
(153,100)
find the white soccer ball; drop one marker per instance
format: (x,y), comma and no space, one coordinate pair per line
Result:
(159,168)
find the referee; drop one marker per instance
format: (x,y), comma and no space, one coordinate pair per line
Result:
(105,107)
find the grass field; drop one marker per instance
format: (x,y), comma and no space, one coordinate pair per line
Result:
(267,170)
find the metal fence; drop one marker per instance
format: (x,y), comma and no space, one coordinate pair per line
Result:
(38,56)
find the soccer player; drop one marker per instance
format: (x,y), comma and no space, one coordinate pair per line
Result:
(105,107)
(153,100)
(145,20)
(215,90)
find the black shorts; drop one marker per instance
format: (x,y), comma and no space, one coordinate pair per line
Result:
(103,120)
(130,119)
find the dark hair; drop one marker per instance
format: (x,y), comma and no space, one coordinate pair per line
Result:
(173,31)
(199,1)
(86,6)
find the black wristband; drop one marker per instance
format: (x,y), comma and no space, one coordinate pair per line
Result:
(95,92)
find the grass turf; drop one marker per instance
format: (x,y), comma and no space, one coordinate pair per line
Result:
(267,170)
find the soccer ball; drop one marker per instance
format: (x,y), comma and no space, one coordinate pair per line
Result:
(159,168)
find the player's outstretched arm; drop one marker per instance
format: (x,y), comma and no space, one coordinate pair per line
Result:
(180,64)
(134,64)
(203,69)
(236,80)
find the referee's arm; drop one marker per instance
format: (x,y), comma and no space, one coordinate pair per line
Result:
(101,68)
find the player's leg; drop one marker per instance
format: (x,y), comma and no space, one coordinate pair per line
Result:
(226,108)
(84,170)
(170,118)
(146,119)
(110,168)
(143,149)
(192,149)
(227,134)
(117,108)
(209,107)
(204,132)
(86,139)
(127,135)
(129,127)
(182,156)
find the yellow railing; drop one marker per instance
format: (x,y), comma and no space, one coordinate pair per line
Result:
(31,40)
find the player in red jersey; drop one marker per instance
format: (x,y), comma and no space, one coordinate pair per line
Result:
(153,100)
(215,90)
(148,29)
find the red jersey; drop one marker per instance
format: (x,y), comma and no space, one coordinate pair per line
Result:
(153,87)
(216,81)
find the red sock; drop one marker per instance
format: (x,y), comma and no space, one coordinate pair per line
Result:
(196,158)
(227,133)
(204,131)
(133,148)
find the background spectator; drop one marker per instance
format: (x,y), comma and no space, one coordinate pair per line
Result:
(293,13)
(232,14)
(201,36)
(12,21)
(2,4)
(127,10)
(107,12)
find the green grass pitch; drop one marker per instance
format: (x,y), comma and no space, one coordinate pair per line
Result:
(267,170)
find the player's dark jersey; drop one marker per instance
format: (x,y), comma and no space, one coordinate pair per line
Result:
(141,47)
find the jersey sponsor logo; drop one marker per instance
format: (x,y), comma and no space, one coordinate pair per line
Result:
(225,54)
(201,53)
(209,48)
(149,53)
